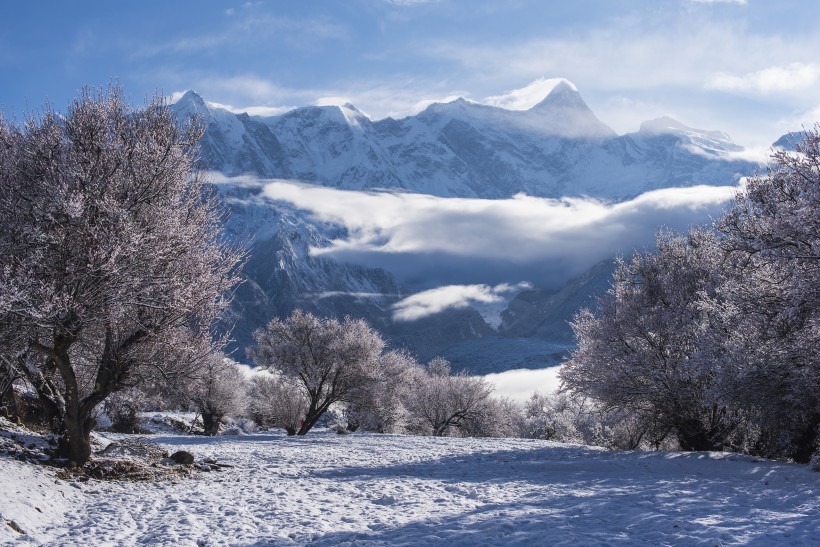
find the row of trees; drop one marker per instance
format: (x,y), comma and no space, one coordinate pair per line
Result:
(321,362)
(715,336)
(310,366)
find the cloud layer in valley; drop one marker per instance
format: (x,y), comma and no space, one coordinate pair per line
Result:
(436,300)
(430,242)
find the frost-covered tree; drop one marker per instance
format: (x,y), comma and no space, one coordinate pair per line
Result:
(332,360)
(571,418)
(496,417)
(439,400)
(111,254)
(767,329)
(641,349)
(218,390)
(377,406)
(276,400)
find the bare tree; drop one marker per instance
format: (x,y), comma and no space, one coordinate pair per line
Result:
(441,400)
(112,255)
(332,360)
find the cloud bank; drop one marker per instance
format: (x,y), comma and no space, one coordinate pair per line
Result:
(436,300)
(519,384)
(429,241)
(774,79)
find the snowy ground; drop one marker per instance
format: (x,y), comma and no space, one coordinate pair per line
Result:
(362,489)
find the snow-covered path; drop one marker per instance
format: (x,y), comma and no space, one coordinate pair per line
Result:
(328,489)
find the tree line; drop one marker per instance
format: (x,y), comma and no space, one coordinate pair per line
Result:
(714,337)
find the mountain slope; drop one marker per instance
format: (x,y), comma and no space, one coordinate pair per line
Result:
(281,275)
(557,148)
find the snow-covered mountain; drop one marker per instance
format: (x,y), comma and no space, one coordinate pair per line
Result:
(457,149)
(465,149)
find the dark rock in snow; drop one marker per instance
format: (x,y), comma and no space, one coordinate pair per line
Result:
(182,457)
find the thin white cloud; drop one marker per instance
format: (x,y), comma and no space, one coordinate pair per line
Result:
(258,110)
(249,85)
(333,294)
(756,154)
(773,79)
(251,27)
(526,97)
(433,301)
(805,119)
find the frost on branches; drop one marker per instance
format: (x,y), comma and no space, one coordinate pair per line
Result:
(332,361)
(716,334)
(440,401)
(112,264)
(771,238)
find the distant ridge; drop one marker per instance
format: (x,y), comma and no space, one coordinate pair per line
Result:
(558,147)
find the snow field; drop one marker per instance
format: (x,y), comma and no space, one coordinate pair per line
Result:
(365,489)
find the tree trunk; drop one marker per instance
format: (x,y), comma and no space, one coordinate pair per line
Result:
(805,442)
(75,443)
(309,421)
(314,412)
(692,436)
(210,423)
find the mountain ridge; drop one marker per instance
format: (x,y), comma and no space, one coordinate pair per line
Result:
(465,149)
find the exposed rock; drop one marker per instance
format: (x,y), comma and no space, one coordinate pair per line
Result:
(182,457)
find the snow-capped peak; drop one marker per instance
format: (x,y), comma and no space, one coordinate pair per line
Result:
(192,104)
(714,141)
(563,112)
(353,115)
(191,98)
(667,125)
(565,94)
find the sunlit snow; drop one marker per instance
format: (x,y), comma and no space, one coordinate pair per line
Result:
(367,489)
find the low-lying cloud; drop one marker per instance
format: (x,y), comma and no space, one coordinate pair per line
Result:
(429,241)
(518,384)
(436,300)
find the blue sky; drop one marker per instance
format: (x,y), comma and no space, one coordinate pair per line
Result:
(750,68)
